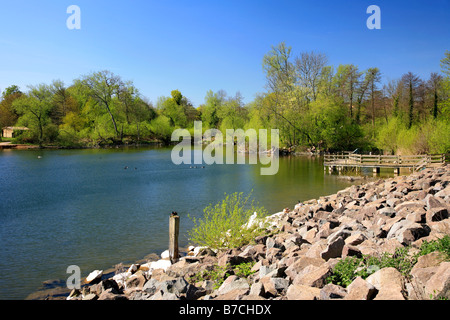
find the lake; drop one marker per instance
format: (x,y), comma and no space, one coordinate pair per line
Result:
(97,207)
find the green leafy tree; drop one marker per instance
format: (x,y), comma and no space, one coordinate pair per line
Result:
(173,111)
(34,109)
(210,110)
(411,83)
(8,115)
(103,87)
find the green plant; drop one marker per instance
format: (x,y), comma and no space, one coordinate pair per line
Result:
(244,270)
(218,274)
(223,225)
(442,245)
(346,270)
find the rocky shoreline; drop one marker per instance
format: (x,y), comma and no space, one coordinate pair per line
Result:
(308,246)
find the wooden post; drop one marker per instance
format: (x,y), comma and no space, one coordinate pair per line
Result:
(375,171)
(174,228)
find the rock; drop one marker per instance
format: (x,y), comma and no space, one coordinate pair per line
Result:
(233,283)
(235,294)
(257,289)
(349,251)
(94,276)
(165,254)
(151,286)
(332,291)
(135,281)
(302,292)
(334,249)
(302,263)
(110,295)
(445,193)
(160,295)
(312,276)
(436,214)
(271,243)
(442,227)
(409,204)
(75,294)
(230,259)
(407,231)
(438,286)
(109,284)
(203,251)
(434,202)
(432,259)
(418,216)
(180,285)
(273,254)
(160,264)
(274,286)
(310,234)
(360,289)
(264,270)
(355,239)
(408,235)
(344,232)
(183,267)
(389,212)
(392,202)
(423,270)
(389,283)
(90,296)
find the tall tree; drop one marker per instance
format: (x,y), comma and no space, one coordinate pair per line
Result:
(434,85)
(445,101)
(374,77)
(412,83)
(213,102)
(309,66)
(8,115)
(286,99)
(34,109)
(62,100)
(171,108)
(103,87)
(361,93)
(445,64)
(394,93)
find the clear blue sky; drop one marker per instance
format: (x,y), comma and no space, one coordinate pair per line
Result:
(195,46)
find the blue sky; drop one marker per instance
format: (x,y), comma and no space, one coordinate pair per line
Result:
(195,46)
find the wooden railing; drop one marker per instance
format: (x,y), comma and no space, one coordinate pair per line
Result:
(364,160)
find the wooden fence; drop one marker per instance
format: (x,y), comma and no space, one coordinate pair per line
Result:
(383,161)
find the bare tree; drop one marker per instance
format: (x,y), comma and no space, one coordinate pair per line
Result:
(309,67)
(394,93)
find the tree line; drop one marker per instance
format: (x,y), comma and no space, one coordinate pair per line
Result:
(314,105)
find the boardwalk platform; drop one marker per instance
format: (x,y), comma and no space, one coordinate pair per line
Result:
(357,161)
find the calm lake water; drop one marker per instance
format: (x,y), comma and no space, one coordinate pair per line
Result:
(82,207)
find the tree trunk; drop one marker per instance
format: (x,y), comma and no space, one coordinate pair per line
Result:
(411,104)
(435,106)
(113,120)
